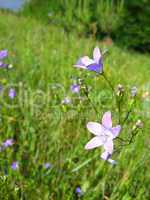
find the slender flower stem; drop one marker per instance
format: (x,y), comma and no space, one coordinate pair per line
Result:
(128,113)
(118,102)
(109,83)
(90,101)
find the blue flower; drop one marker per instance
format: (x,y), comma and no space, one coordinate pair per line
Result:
(75,88)
(47,165)
(8,143)
(78,191)
(12,93)
(94,64)
(15,165)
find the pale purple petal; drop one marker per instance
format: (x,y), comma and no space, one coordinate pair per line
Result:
(66,101)
(106,120)
(80,64)
(96,55)
(8,142)
(15,165)
(75,88)
(12,93)
(87,61)
(113,162)
(3,54)
(116,130)
(95,128)
(108,146)
(105,155)
(94,142)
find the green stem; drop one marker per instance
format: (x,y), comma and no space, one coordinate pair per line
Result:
(90,101)
(109,83)
(128,113)
(84,163)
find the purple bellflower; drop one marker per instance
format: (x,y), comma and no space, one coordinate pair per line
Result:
(95,64)
(47,165)
(3,54)
(15,165)
(104,135)
(75,88)
(8,143)
(66,101)
(12,93)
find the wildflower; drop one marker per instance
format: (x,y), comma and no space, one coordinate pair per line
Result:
(104,135)
(12,93)
(15,165)
(47,165)
(78,191)
(66,100)
(139,124)
(8,143)
(94,64)
(75,88)
(134,91)
(120,89)
(3,54)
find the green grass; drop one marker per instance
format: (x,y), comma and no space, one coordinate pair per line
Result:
(43,55)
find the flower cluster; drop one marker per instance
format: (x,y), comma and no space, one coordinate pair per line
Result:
(105,133)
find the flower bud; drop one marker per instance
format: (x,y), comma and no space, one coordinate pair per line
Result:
(134,91)
(139,124)
(119,90)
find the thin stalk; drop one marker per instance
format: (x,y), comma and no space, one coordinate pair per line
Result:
(90,101)
(109,83)
(84,163)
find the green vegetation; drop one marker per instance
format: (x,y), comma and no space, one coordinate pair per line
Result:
(125,21)
(43,55)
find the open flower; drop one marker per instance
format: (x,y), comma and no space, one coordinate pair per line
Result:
(104,135)
(8,143)
(15,165)
(94,64)
(3,54)
(75,88)
(12,93)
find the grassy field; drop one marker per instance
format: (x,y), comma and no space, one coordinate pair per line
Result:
(45,131)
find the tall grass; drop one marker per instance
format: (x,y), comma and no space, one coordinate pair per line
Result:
(83,16)
(43,56)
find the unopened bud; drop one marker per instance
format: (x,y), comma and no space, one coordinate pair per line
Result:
(139,124)
(134,91)
(120,90)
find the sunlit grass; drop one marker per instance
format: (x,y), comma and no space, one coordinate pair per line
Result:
(43,55)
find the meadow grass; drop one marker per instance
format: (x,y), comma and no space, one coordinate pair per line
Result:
(43,57)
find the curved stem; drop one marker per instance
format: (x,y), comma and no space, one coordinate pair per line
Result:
(109,83)
(90,101)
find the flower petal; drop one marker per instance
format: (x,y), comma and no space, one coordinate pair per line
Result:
(94,142)
(87,61)
(95,67)
(106,120)
(96,55)
(113,162)
(105,155)
(3,54)
(80,64)
(108,146)
(116,130)
(95,128)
